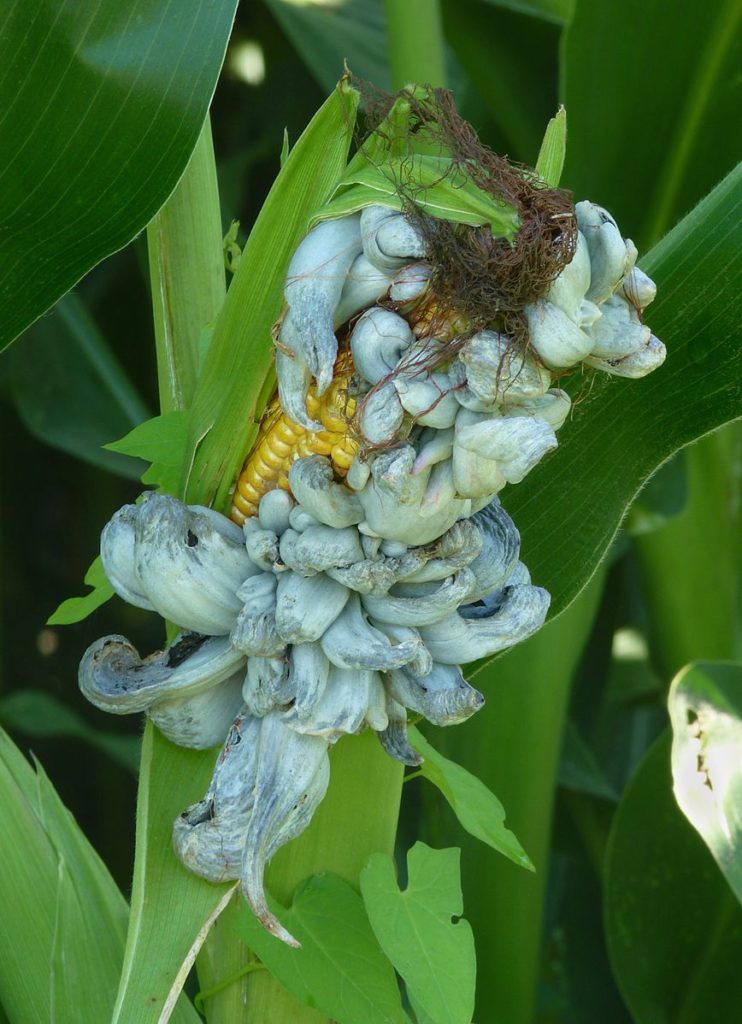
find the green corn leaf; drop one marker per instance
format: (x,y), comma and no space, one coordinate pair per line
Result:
(393,166)
(477,808)
(37,713)
(648,137)
(64,920)
(673,926)
(551,156)
(435,184)
(569,508)
(696,551)
(340,969)
(102,104)
(75,609)
(706,712)
(70,389)
(414,928)
(665,497)
(285,149)
(238,377)
(187,289)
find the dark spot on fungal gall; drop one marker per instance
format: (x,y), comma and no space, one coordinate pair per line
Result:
(184,648)
(192,539)
(193,817)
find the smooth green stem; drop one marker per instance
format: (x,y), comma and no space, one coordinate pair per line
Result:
(358,817)
(416,48)
(513,745)
(691,565)
(186,263)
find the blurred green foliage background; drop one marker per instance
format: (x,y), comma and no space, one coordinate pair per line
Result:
(650,90)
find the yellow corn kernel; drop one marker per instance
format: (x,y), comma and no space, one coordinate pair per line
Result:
(342,456)
(281,441)
(428,320)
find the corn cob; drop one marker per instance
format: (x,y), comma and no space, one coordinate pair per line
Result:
(281,441)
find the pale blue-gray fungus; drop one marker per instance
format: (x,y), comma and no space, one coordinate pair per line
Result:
(348,602)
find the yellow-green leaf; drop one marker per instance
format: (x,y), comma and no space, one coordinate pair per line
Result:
(477,808)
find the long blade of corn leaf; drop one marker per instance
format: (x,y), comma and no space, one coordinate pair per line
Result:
(102,104)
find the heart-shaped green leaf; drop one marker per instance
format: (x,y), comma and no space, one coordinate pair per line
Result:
(75,609)
(161,441)
(434,955)
(339,969)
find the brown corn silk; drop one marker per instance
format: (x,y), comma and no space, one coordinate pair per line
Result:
(488,281)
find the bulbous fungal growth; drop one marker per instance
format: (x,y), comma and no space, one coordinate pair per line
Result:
(374,557)
(315,630)
(474,412)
